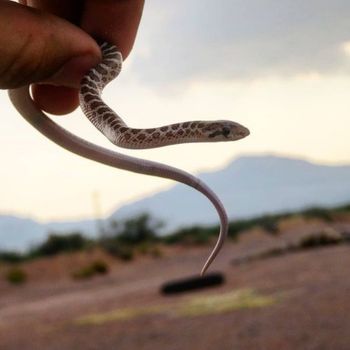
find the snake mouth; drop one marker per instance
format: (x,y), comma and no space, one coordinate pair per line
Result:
(244,132)
(226,132)
(217,133)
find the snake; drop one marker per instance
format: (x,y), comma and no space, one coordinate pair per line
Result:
(115,129)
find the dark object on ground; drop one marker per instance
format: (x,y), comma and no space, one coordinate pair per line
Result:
(193,283)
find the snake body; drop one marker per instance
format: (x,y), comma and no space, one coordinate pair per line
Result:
(115,129)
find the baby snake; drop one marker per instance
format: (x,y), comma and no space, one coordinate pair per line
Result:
(114,128)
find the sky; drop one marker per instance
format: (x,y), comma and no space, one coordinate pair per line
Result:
(281,68)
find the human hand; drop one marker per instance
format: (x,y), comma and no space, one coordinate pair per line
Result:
(49,44)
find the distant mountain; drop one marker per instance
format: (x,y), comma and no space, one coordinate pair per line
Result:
(249,186)
(19,233)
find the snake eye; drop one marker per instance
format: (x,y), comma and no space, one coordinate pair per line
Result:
(226,131)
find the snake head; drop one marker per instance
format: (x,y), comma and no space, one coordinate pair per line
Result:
(225,130)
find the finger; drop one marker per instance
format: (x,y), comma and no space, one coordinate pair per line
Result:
(57,100)
(67,9)
(115,21)
(34,47)
(112,20)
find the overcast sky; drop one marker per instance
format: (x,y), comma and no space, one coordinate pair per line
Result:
(239,39)
(279,67)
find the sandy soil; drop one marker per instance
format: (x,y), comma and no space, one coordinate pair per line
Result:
(296,301)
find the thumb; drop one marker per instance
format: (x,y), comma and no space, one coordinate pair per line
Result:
(39,47)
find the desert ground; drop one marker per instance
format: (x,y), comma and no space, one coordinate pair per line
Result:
(298,300)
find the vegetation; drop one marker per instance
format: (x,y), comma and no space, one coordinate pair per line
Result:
(311,241)
(322,239)
(267,222)
(137,230)
(125,238)
(11,257)
(142,235)
(98,267)
(320,213)
(151,249)
(57,243)
(192,235)
(16,275)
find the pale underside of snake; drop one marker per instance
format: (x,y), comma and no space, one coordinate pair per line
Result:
(115,129)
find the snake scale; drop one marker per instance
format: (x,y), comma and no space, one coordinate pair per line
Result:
(115,129)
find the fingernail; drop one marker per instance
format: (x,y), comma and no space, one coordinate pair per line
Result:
(71,73)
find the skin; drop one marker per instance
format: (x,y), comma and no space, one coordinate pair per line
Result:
(34,46)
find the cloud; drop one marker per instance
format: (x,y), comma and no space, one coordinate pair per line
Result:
(238,39)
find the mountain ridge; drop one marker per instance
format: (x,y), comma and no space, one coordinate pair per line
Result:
(248,186)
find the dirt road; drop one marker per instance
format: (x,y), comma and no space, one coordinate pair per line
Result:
(295,301)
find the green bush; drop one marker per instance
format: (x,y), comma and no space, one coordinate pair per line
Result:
(143,248)
(134,231)
(84,273)
(97,267)
(156,252)
(320,213)
(342,209)
(100,267)
(16,275)
(125,237)
(149,249)
(321,239)
(113,247)
(57,243)
(192,235)
(267,222)
(11,257)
